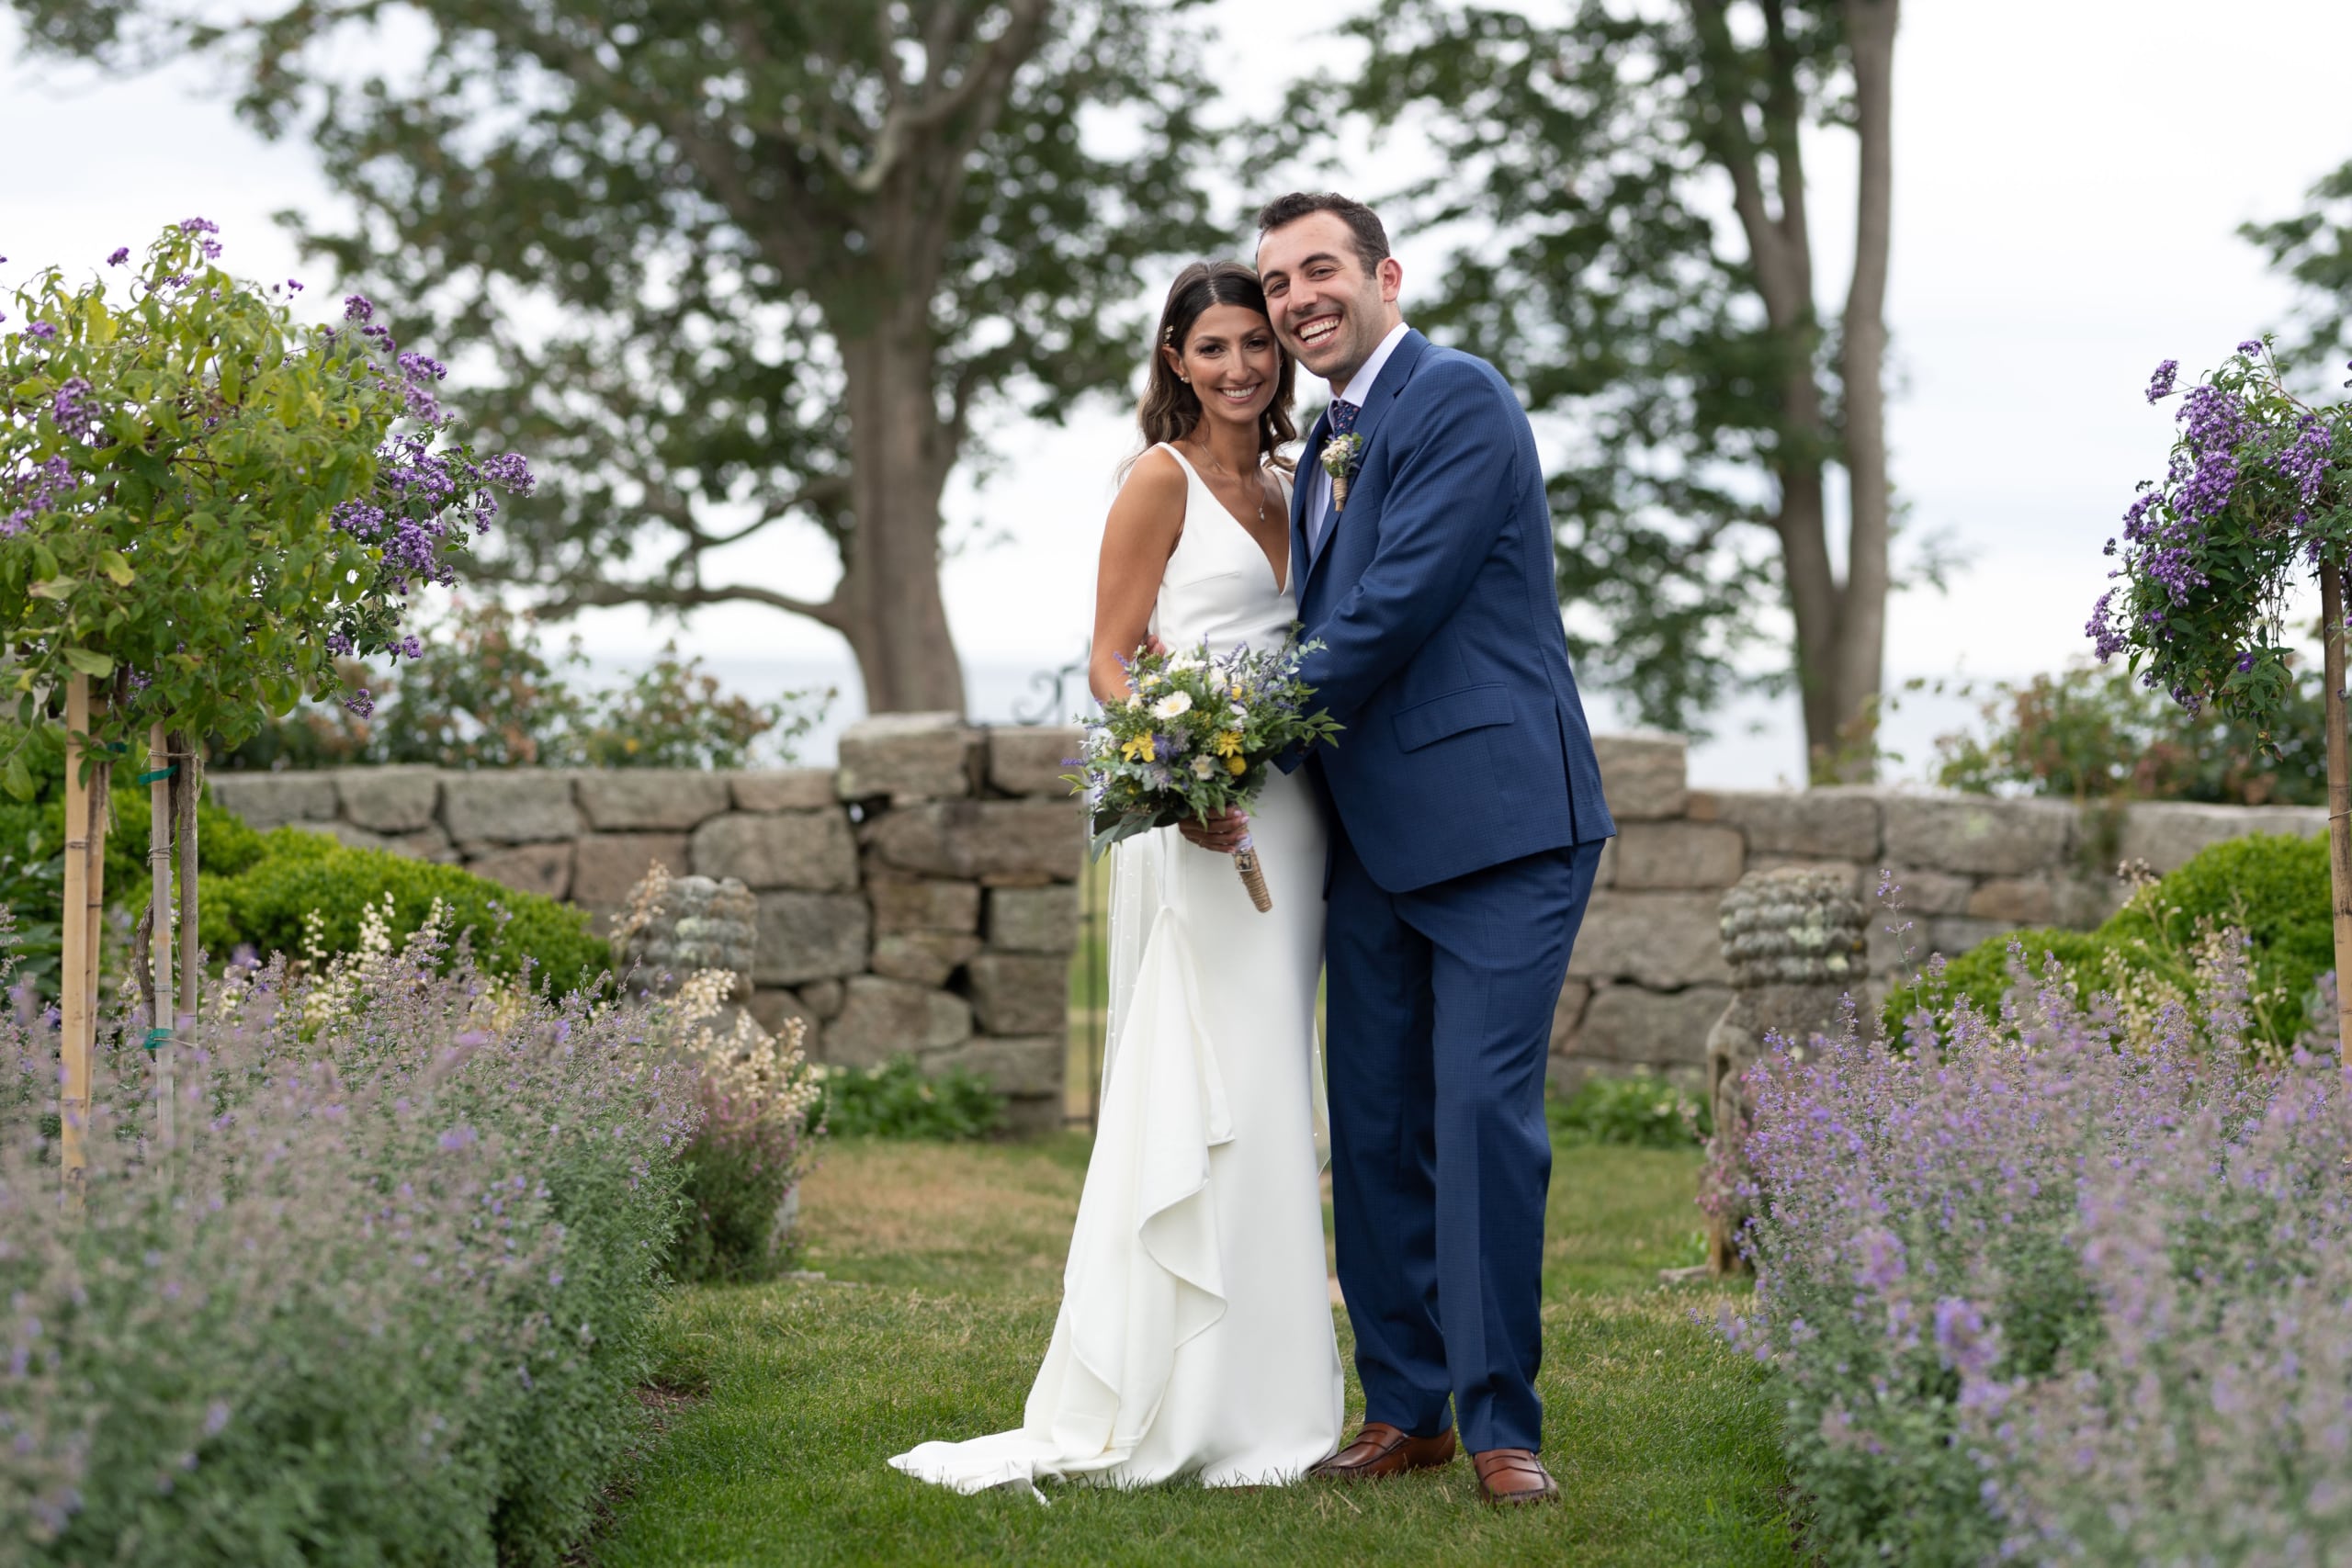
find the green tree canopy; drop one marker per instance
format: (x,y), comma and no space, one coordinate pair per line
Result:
(741,265)
(1703,399)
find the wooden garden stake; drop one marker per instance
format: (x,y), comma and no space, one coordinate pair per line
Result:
(159,866)
(73,994)
(2339,797)
(191,978)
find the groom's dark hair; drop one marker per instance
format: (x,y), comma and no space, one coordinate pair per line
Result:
(1372,239)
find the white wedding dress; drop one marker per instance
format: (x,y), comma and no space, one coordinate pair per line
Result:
(1195,1334)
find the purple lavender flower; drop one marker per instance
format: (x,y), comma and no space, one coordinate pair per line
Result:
(121,254)
(45,331)
(357,308)
(2160,385)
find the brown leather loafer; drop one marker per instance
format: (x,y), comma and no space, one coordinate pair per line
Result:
(1514,1476)
(1383,1450)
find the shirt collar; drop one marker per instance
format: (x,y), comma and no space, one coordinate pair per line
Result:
(1360,385)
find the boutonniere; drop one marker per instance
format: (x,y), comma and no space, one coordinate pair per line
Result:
(1341,455)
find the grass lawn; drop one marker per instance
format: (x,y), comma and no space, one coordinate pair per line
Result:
(942,1268)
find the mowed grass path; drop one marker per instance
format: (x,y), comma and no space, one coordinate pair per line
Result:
(943,1268)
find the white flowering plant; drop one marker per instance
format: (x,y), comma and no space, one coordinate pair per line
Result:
(1194,736)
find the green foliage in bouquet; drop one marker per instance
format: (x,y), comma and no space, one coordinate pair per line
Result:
(1194,737)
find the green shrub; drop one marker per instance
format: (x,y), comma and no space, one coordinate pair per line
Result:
(2272,886)
(898,1100)
(1641,1111)
(265,907)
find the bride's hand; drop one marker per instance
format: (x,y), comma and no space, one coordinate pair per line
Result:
(1221,835)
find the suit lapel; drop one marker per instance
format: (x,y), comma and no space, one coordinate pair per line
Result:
(1302,485)
(1392,380)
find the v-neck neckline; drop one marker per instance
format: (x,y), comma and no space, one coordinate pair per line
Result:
(1281,574)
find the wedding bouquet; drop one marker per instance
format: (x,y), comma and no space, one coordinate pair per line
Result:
(1194,736)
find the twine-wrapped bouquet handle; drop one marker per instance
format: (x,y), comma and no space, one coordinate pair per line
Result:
(1245,860)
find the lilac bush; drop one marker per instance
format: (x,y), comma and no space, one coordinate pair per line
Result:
(386,1300)
(2065,1284)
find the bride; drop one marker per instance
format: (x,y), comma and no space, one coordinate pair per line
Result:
(1195,1336)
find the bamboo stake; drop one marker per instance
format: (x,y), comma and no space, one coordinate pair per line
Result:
(73,994)
(101,806)
(159,867)
(2339,797)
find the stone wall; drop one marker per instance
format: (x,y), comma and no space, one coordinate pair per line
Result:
(1648,978)
(922,896)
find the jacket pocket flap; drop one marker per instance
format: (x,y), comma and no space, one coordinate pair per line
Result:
(1471,707)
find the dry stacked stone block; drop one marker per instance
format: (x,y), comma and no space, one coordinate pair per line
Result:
(908,757)
(928,957)
(783,789)
(1003,842)
(810,936)
(1566,1014)
(399,800)
(881,1018)
(642,799)
(605,867)
(1033,919)
(1020,993)
(1628,1026)
(922,904)
(1026,760)
(1978,835)
(1816,824)
(810,851)
(272,800)
(1020,1065)
(544,869)
(2167,834)
(528,806)
(343,833)
(1664,941)
(2015,900)
(1645,774)
(1676,856)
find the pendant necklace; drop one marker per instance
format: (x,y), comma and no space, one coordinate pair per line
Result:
(1210,457)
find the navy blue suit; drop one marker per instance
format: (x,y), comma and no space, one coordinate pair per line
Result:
(1467,822)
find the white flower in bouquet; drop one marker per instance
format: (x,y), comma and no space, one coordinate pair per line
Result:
(1203,767)
(1175,704)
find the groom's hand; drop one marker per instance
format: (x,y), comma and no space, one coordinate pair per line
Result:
(1221,834)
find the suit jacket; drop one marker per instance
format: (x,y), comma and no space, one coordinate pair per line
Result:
(1444,657)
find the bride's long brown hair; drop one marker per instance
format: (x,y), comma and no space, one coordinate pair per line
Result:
(1170,409)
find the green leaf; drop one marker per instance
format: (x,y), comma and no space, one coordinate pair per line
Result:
(17,778)
(52,588)
(96,665)
(118,569)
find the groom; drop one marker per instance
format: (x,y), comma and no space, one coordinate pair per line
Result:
(1466,824)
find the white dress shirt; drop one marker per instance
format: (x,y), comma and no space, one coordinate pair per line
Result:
(1357,387)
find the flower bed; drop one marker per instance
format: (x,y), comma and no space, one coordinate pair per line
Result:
(387,1299)
(2060,1287)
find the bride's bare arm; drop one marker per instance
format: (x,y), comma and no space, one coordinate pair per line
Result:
(1146,521)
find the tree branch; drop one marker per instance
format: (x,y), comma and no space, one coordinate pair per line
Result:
(587,595)
(1724,129)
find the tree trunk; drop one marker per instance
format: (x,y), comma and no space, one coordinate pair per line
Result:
(2339,798)
(888,601)
(1858,671)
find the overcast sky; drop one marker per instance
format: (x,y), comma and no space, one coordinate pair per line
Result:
(2069,177)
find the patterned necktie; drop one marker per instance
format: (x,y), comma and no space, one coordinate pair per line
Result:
(1343,422)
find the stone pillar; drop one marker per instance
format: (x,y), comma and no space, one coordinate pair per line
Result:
(1795,941)
(678,926)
